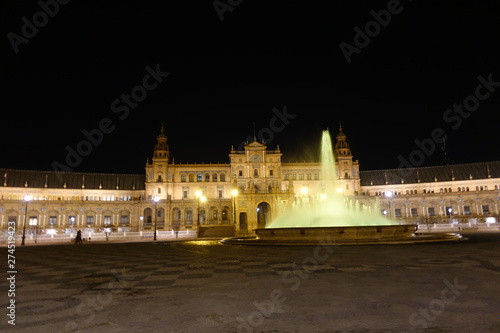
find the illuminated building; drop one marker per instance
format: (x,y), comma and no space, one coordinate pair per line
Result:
(246,193)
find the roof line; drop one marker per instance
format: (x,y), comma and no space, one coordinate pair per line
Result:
(435,166)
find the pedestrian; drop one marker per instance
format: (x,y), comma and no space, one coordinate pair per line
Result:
(78,239)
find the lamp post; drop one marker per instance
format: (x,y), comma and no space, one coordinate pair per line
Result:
(36,231)
(202,198)
(234,193)
(27,198)
(198,195)
(156,199)
(451,215)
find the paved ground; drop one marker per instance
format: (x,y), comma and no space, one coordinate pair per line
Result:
(204,286)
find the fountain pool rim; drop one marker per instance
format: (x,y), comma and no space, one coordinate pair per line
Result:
(342,235)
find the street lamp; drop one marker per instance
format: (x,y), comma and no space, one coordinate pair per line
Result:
(200,197)
(156,199)
(27,198)
(36,231)
(234,193)
(451,215)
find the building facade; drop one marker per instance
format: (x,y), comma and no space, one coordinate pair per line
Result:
(247,193)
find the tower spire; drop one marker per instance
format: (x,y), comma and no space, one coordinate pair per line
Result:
(341,146)
(161,149)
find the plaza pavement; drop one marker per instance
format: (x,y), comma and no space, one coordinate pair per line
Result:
(204,286)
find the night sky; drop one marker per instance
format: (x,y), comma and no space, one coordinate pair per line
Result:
(398,76)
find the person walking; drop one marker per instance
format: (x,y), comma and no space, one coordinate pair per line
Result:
(78,239)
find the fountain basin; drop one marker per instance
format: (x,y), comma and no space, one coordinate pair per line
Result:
(338,233)
(376,234)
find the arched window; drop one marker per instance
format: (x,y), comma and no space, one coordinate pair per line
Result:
(191,177)
(256,173)
(214,177)
(222,177)
(183,178)
(125,218)
(199,177)
(207,177)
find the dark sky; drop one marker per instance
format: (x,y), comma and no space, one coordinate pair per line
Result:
(274,66)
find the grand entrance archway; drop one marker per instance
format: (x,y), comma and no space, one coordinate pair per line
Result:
(263,214)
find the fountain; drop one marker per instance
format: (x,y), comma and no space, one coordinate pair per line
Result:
(331,218)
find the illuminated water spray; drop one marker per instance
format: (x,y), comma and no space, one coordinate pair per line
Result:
(330,208)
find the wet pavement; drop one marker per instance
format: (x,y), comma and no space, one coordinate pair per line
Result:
(206,286)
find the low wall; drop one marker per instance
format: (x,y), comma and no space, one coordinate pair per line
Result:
(226,230)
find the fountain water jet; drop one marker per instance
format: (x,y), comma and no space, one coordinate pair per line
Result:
(330,209)
(328,219)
